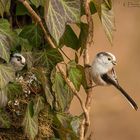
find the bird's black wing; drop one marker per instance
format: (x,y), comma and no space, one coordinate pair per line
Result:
(109,80)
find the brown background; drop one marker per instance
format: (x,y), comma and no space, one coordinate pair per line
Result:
(112,118)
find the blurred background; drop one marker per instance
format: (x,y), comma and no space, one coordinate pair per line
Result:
(112,118)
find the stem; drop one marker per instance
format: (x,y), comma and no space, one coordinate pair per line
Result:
(89,43)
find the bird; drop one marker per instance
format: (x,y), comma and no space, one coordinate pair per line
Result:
(18,61)
(103,74)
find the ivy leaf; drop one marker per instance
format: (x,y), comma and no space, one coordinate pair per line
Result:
(7,39)
(84,81)
(106,15)
(75,124)
(58,88)
(48,58)
(4,119)
(3,98)
(69,96)
(83,36)
(21,10)
(33,33)
(13,89)
(66,123)
(4,6)
(38,3)
(29,59)
(92,8)
(62,93)
(25,45)
(30,122)
(69,39)
(4,52)
(49,96)
(55,139)
(39,72)
(108,20)
(75,75)
(59,13)
(7,74)
(38,104)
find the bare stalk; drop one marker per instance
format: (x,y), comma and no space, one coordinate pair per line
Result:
(89,43)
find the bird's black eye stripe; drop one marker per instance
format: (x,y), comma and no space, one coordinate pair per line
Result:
(18,58)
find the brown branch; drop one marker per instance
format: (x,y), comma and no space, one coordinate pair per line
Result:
(89,43)
(37,19)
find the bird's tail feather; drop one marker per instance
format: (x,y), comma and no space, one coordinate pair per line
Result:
(129,99)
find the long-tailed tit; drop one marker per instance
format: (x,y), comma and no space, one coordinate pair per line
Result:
(18,61)
(104,74)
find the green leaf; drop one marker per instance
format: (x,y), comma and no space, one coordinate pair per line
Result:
(38,3)
(3,98)
(84,81)
(83,36)
(41,76)
(92,8)
(69,39)
(55,139)
(14,90)
(33,33)
(75,124)
(59,13)
(4,6)
(67,126)
(75,75)
(106,15)
(48,58)
(62,93)
(30,122)
(21,9)
(29,59)
(38,104)
(4,52)
(63,119)
(25,45)
(7,75)
(4,119)
(49,96)
(7,38)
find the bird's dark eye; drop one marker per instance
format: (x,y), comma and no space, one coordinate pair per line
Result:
(109,58)
(18,59)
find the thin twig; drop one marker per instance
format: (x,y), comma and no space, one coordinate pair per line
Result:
(64,54)
(37,19)
(86,55)
(89,43)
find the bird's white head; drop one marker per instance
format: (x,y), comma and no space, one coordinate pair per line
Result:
(106,60)
(18,61)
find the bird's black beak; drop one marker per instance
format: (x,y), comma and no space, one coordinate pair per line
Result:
(22,63)
(114,62)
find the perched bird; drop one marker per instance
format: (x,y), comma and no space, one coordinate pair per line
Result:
(18,61)
(103,73)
